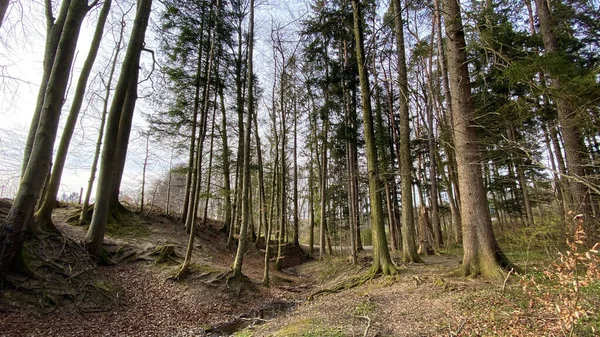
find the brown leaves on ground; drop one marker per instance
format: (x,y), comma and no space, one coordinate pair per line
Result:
(420,301)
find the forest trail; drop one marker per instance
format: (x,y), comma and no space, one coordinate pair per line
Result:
(421,301)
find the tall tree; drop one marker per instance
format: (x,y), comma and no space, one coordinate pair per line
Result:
(569,121)
(481,255)
(83,217)
(54,28)
(242,244)
(20,216)
(382,262)
(409,248)
(49,199)
(125,95)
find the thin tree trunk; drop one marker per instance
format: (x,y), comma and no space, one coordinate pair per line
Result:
(188,255)
(296,238)
(190,180)
(126,86)
(261,179)
(144,167)
(382,262)
(271,217)
(83,218)
(44,214)
(409,249)
(225,161)
(241,251)
(54,30)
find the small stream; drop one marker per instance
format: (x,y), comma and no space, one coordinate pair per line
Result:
(254,317)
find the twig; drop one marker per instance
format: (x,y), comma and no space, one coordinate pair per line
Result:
(506,279)
(368,324)
(255,319)
(455,333)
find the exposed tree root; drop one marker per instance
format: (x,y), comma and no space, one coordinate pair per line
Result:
(166,253)
(494,268)
(205,274)
(52,270)
(346,284)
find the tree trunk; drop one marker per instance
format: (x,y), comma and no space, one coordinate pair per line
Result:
(126,86)
(225,160)
(241,251)
(53,35)
(482,255)
(44,214)
(575,151)
(3,7)
(409,249)
(20,216)
(426,239)
(296,238)
(190,181)
(83,218)
(382,262)
(323,190)
(144,167)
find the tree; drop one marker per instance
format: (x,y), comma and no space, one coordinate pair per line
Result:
(3,8)
(54,28)
(20,216)
(573,141)
(242,244)
(83,218)
(44,214)
(120,114)
(382,262)
(409,249)
(482,255)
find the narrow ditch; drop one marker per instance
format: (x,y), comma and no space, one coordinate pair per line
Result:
(254,317)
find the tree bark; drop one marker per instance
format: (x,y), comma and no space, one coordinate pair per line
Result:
(44,213)
(482,255)
(20,216)
(239,258)
(382,262)
(190,180)
(83,218)
(126,86)
(3,8)
(575,151)
(54,31)
(225,160)
(409,248)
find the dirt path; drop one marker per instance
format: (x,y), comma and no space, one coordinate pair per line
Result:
(419,302)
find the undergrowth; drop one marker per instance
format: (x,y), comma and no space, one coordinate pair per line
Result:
(560,299)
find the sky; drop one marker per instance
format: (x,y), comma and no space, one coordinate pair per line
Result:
(21,55)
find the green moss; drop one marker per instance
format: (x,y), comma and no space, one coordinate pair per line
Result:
(364,308)
(243,333)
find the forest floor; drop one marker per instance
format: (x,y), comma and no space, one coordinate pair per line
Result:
(421,301)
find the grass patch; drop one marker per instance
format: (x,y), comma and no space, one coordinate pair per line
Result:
(309,328)
(364,308)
